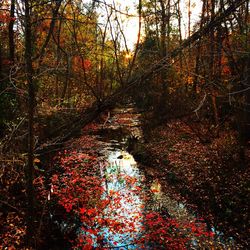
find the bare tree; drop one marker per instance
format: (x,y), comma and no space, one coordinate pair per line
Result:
(29,171)
(11,32)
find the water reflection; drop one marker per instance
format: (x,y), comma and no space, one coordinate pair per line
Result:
(161,201)
(132,199)
(142,216)
(122,182)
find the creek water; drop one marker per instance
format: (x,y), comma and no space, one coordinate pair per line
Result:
(139,208)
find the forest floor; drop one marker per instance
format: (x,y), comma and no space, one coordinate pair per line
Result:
(208,174)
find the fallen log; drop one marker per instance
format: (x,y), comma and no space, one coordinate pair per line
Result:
(166,61)
(98,107)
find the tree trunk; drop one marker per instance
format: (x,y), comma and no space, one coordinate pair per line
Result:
(198,53)
(11,32)
(66,82)
(243,113)
(58,57)
(211,69)
(1,64)
(163,52)
(29,170)
(180,33)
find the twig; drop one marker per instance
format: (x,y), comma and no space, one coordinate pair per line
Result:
(13,131)
(200,105)
(9,205)
(106,120)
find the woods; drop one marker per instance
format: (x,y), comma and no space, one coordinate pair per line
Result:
(65,66)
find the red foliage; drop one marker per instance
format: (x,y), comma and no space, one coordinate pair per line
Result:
(5,18)
(81,64)
(79,189)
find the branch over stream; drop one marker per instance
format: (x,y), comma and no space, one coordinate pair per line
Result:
(97,108)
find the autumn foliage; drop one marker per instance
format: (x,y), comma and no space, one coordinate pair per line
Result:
(104,214)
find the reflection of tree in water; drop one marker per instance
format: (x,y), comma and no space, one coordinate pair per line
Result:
(121,208)
(122,183)
(148,215)
(166,206)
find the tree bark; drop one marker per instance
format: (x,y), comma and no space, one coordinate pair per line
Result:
(180,32)
(58,56)
(198,53)
(29,170)
(211,69)
(164,40)
(11,32)
(1,63)
(66,82)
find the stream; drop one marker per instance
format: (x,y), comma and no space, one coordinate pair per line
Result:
(121,167)
(137,213)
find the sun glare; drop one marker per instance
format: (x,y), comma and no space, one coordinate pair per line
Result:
(130,19)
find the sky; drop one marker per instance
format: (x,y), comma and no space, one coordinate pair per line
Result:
(131,24)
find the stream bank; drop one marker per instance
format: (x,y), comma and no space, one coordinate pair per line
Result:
(209,176)
(99,197)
